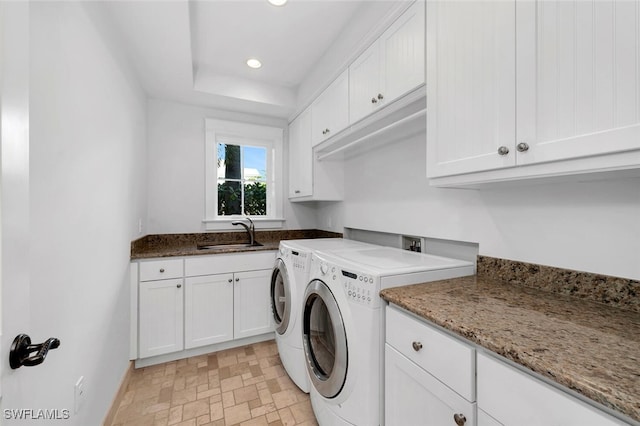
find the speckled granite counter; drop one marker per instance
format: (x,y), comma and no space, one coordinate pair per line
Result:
(582,344)
(169,245)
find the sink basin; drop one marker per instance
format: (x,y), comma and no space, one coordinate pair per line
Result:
(227,246)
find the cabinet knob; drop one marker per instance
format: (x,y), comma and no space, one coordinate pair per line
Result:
(374,101)
(416,346)
(324,132)
(237,279)
(522,147)
(503,150)
(380,97)
(230,280)
(161,270)
(179,286)
(297,191)
(460,419)
(327,130)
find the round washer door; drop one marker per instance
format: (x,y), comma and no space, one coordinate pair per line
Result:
(280,296)
(324,340)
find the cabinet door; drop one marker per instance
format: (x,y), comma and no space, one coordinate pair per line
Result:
(470,86)
(300,156)
(578,78)
(330,111)
(252,307)
(403,52)
(160,317)
(512,397)
(208,310)
(364,83)
(415,397)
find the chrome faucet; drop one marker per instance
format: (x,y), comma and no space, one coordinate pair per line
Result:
(251,230)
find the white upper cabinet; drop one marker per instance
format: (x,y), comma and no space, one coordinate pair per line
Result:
(392,66)
(300,156)
(578,78)
(471,85)
(330,110)
(310,179)
(553,86)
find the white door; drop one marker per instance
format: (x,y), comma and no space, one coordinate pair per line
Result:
(252,303)
(364,83)
(17,386)
(208,310)
(300,156)
(160,310)
(415,397)
(402,50)
(578,78)
(330,110)
(470,86)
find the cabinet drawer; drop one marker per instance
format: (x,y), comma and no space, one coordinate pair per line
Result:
(232,262)
(446,358)
(160,269)
(513,397)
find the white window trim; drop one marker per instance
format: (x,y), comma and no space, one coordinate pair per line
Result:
(257,135)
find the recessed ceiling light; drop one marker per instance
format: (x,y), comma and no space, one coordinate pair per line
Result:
(277,2)
(254,63)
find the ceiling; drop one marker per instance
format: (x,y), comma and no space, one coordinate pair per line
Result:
(196,51)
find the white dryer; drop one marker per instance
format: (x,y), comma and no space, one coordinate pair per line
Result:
(343,325)
(288,280)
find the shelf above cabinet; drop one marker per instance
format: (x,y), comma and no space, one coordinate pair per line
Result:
(399,119)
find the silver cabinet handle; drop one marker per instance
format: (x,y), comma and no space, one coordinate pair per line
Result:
(230,280)
(380,96)
(416,346)
(374,101)
(522,147)
(179,286)
(460,419)
(161,270)
(297,191)
(503,150)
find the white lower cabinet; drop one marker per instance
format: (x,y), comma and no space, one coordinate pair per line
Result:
(428,375)
(208,313)
(202,307)
(415,397)
(252,303)
(160,317)
(508,396)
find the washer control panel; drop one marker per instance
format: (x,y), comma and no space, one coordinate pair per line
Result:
(299,259)
(359,287)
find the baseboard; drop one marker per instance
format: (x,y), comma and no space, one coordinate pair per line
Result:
(111,414)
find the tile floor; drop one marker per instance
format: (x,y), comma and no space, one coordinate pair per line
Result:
(244,386)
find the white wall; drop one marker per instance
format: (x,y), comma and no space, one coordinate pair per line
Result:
(176,197)
(87,156)
(588,226)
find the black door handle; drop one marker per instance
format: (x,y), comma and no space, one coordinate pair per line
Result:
(21,348)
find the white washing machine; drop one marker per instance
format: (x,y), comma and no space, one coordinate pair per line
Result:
(343,325)
(288,280)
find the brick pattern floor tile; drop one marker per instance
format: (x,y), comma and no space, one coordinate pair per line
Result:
(244,386)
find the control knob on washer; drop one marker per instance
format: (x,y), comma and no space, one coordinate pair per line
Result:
(324,268)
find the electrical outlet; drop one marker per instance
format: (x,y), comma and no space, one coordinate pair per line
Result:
(79,394)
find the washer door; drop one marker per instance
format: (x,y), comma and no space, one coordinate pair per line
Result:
(280,296)
(324,340)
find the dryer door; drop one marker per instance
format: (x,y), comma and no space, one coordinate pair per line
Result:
(280,296)
(324,340)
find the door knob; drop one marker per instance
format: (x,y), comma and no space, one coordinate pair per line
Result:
(21,348)
(522,147)
(503,150)
(460,419)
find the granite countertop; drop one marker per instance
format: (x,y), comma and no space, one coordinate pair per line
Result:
(172,245)
(583,344)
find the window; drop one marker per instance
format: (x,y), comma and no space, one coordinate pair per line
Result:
(243,173)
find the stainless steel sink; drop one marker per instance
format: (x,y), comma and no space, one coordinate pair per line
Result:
(227,246)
